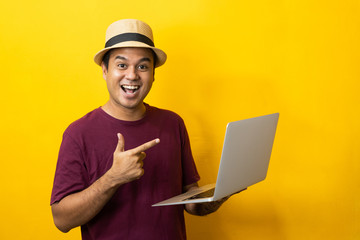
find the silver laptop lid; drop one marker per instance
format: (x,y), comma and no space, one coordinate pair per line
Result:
(247,149)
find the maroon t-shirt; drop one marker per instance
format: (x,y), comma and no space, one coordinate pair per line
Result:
(86,153)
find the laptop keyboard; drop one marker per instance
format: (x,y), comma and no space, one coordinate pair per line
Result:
(206,194)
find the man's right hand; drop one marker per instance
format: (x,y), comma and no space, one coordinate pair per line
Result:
(127,165)
(79,208)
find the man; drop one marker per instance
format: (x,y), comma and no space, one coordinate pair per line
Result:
(103,182)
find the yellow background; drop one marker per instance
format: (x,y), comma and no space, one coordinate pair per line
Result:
(227,60)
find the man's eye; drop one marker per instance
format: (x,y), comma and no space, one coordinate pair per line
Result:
(122,65)
(143,67)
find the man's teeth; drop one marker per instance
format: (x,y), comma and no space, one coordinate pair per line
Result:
(130,87)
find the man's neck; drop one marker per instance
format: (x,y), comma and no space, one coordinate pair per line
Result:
(124,114)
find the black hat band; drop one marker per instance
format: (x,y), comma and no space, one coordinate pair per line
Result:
(125,37)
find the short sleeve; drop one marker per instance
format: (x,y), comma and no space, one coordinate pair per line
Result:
(70,175)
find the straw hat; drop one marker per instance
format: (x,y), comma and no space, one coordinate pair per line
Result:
(130,33)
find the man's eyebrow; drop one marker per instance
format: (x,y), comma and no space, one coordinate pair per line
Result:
(120,57)
(144,59)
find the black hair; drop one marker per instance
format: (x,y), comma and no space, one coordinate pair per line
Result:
(106,58)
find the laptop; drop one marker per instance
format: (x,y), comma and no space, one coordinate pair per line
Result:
(244,160)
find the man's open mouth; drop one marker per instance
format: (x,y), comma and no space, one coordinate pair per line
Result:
(130,88)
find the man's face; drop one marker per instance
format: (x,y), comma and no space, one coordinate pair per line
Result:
(129,76)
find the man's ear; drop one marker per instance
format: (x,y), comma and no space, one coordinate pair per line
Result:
(104,70)
(154,74)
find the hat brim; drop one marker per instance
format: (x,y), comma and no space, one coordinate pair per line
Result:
(160,54)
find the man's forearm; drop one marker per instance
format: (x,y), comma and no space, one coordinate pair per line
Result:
(79,208)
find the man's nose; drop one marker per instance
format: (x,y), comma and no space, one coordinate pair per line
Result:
(131,73)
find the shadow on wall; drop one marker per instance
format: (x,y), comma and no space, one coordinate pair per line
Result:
(234,220)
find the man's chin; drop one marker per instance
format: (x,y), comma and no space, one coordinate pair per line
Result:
(133,106)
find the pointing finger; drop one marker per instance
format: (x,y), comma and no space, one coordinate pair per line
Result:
(146,146)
